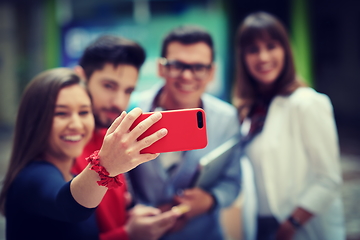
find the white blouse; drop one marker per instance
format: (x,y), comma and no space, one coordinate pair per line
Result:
(296,163)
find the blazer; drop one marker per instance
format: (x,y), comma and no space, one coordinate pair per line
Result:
(152,186)
(299,153)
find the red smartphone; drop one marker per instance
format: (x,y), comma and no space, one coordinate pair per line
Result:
(186,130)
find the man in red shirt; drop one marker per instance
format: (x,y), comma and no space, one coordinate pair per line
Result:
(110,66)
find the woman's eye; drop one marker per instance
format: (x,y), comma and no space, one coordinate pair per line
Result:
(83,113)
(60,113)
(271,45)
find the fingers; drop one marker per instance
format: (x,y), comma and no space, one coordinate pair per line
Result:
(116,123)
(193,192)
(147,141)
(142,158)
(142,210)
(129,119)
(123,123)
(181,209)
(145,124)
(121,143)
(185,194)
(172,213)
(166,220)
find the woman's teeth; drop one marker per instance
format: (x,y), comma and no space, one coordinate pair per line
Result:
(72,138)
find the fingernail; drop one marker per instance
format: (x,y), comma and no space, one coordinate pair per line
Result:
(163,131)
(156,115)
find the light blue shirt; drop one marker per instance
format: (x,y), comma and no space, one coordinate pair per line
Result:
(153,186)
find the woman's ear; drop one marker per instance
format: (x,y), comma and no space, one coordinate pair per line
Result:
(80,72)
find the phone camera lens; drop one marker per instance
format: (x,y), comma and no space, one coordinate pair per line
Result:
(200,119)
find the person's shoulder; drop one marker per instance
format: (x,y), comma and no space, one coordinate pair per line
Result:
(214,104)
(305,98)
(35,167)
(37,171)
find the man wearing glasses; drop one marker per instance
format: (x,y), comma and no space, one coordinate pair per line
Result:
(187,66)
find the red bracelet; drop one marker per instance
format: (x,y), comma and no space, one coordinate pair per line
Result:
(106,180)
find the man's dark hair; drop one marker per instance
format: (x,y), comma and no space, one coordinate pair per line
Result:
(111,49)
(188,34)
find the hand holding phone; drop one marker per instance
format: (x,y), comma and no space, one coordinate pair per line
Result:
(186,130)
(181,208)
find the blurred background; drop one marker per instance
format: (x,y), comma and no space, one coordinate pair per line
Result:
(40,34)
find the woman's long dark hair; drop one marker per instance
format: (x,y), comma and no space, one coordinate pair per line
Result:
(34,121)
(261,26)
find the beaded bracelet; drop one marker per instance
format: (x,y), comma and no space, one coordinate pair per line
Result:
(105,179)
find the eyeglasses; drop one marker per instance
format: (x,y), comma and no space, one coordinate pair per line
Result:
(176,68)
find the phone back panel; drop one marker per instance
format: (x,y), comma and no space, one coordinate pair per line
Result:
(184,130)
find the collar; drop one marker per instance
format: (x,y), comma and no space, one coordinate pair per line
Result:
(155,106)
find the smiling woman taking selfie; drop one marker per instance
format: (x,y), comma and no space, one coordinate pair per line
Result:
(289,136)
(40,198)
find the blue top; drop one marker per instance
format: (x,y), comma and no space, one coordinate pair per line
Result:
(153,186)
(39,205)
